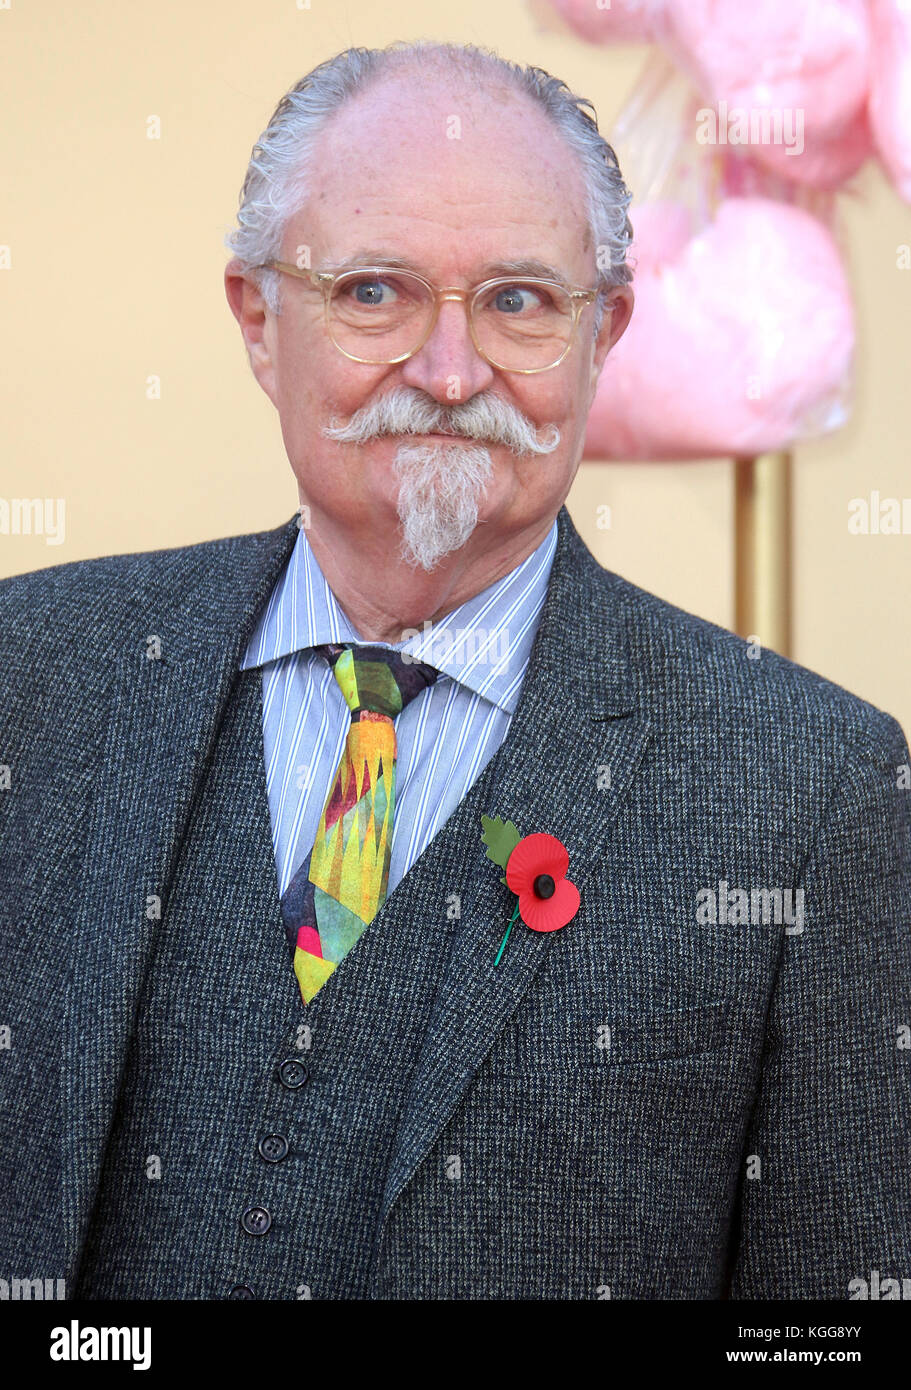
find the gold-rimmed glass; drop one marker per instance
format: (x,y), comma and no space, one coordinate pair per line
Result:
(382,315)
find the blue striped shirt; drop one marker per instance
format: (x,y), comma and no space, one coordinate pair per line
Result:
(446,735)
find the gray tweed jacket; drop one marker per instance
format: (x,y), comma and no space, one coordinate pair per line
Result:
(697,1089)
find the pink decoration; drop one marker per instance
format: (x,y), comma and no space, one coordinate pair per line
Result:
(806,63)
(623,21)
(740,341)
(890,89)
(742,337)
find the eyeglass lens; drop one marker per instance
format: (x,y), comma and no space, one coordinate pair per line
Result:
(518,325)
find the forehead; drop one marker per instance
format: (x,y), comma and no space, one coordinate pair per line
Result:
(450,177)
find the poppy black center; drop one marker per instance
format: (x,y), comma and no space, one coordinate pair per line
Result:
(544,886)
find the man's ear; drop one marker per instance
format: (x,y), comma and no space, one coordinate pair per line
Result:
(618,310)
(257,324)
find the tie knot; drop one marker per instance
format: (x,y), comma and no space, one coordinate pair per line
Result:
(375,678)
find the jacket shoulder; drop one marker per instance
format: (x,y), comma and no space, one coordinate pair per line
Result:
(64,629)
(86,603)
(688,665)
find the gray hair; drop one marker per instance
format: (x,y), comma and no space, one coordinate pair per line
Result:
(277,175)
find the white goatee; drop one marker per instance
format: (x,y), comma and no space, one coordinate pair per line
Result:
(442,485)
(440,492)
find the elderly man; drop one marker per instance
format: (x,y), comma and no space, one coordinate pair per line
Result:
(399,904)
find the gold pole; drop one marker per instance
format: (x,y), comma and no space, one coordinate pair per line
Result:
(762,550)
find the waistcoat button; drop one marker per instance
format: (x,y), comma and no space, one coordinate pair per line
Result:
(256,1221)
(241,1291)
(292,1073)
(273,1148)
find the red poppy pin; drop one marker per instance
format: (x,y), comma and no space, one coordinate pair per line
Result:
(536,868)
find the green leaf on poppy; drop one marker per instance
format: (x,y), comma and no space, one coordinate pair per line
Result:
(500,837)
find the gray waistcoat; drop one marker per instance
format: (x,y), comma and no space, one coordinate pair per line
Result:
(203,1114)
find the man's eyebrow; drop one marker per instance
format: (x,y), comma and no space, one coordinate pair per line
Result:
(523,267)
(375,256)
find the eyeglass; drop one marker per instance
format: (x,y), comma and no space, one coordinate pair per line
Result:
(382,315)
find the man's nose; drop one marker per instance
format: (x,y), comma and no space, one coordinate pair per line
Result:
(449,366)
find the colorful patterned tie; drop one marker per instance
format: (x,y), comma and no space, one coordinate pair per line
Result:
(341,885)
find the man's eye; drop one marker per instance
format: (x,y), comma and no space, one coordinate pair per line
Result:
(372,292)
(517,299)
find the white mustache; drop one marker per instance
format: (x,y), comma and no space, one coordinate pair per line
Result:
(405,411)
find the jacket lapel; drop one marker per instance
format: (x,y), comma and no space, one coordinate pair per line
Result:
(576,714)
(201,607)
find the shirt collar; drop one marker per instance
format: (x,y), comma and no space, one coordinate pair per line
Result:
(484,644)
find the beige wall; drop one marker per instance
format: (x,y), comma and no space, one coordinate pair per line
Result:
(115,277)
